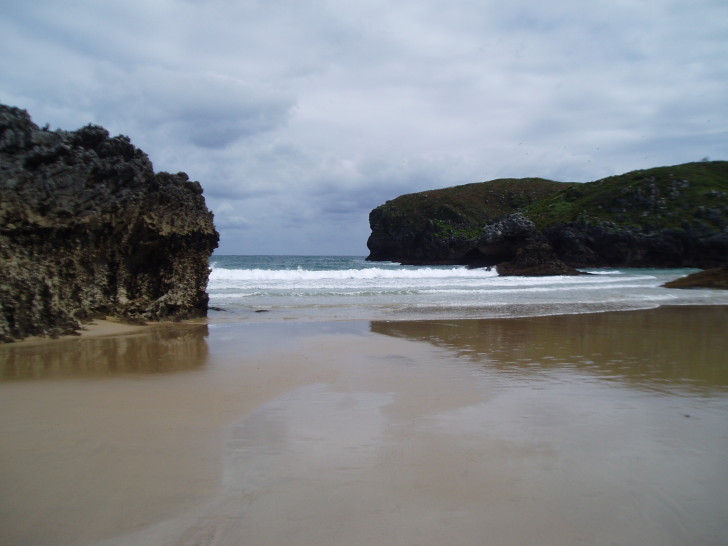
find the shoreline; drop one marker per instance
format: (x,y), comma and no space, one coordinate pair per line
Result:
(110,327)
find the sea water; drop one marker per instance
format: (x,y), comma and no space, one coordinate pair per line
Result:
(264,288)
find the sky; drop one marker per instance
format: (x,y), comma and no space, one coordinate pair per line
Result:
(300,116)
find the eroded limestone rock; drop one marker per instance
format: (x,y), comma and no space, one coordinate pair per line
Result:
(516,247)
(87,228)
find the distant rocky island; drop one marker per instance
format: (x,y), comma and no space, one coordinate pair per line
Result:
(666,217)
(88,229)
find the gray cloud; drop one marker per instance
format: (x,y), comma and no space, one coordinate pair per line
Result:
(206,110)
(299,117)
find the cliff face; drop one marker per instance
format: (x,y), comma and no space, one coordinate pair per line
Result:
(516,247)
(443,226)
(663,217)
(87,228)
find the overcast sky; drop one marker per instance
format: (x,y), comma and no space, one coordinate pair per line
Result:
(298,117)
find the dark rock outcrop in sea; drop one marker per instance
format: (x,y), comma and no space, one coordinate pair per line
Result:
(88,229)
(716,277)
(516,247)
(663,217)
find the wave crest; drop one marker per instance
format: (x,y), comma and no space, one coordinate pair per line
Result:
(220,274)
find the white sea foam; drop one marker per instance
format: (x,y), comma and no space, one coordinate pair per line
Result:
(604,272)
(402,280)
(327,288)
(220,274)
(530,289)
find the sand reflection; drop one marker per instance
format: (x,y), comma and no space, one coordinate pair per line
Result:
(664,348)
(156,349)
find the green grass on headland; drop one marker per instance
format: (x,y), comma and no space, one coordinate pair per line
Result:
(689,195)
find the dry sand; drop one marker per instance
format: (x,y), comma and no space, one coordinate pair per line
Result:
(599,429)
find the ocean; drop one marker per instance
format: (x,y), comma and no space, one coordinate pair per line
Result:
(316,288)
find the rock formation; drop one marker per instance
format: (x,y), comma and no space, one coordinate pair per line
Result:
(88,229)
(516,247)
(441,227)
(663,217)
(716,277)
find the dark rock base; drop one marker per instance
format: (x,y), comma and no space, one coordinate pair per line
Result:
(710,278)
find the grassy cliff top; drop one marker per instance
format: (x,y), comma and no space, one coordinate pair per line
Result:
(660,197)
(691,195)
(474,203)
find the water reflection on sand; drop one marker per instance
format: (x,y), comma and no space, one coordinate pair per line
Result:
(584,429)
(157,349)
(672,348)
(598,429)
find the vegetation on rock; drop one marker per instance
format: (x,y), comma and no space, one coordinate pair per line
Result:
(442,226)
(694,194)
(663,217)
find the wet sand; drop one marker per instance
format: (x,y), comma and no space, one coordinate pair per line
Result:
(607,428)
(95,328)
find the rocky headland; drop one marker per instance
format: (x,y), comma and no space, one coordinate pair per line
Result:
(88,229)
(663,217)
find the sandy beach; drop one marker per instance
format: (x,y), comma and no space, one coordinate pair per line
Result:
(606,428)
